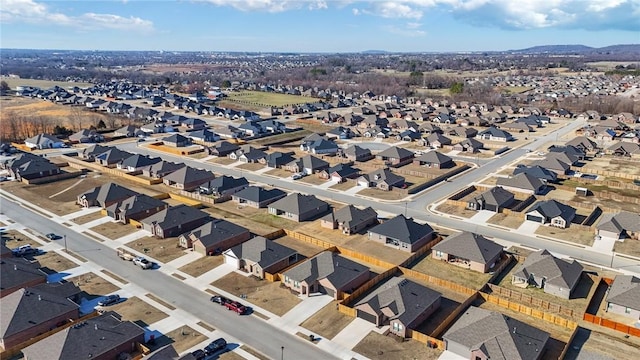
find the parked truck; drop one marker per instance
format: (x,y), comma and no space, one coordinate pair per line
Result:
(124,255)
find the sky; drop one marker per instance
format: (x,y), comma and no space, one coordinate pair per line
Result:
(315,25)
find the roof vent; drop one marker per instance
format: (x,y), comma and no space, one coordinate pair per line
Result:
(15,266)
(95,326)
(514,329)
(39,297)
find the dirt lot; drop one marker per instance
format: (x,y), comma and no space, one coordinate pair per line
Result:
(572,234)
(138,311)
(628,247)
(163,250)
(609,163)
(182,339)
(303,248)
(605,344)
(443,270)
(267,295)
(113,230)
(55,262)
(381,194)
(455,210)
(501,219)
(93,285)
(327,322)
(281,173)
(202,265)
(222,160)
(380,347)
(230,355)
(313,180)
(13,239)
(250,166)
(88,218)
(344,186)
(258,221)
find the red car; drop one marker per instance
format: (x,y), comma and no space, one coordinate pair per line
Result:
(236,306)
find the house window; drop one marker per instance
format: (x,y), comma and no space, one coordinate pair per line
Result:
(627,310)
(296,284)
(439,253)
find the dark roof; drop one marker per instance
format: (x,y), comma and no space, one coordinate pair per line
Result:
(351,215)
(396,153)
(188,174)
(297,203)
(403,300)
(138,160)
(18,271)
(258,194)
(434,157)
(625,291)
(327,265)
(311,162)
(165,167)
(496,335)
(90,338)
(263,251)
(226,182)
(536,171)
(136,204)
(402,229)
(108,192)
(470,246)
(176,138)
(342,170)
(521,181)
(380,175)
(559,272)
(552,208)
(357,151)
(216,231)
(278,158)
(496,196)
(618,222)
(113,155)
(174,216)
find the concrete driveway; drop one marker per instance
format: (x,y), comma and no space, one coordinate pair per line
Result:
(528,228)
(481,217)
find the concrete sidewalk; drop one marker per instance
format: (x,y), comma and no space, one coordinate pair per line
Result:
(202,282)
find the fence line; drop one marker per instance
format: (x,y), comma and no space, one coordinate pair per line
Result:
(438,331)
(528,299)
(538,314)
(437,281)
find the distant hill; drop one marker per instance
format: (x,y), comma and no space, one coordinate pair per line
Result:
(580,49)
(374,52)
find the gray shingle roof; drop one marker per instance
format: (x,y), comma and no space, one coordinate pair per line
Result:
(396,153)
(18,271)
(135,204)
(188,174)
(499,336)
(351,215)
(174,216)
(536,171)
(216,231)
(384,175)
(297,203)
(258,194)
(402,229)
(521,181)
(138,160)
(434,157)
(108,192)
(327,265)
(552,208)
(619,222)
(263,251)
(625,291)
(357,151)
(559,272)
(496,196)
(470,246)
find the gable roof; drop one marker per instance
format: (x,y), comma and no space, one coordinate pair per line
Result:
(188,174)
(259,194)
(357,151)
(225,182)
(521,181)
(470,246)
(215,231)
(498,336)
(164,167)
(297,203)
(496,196)
(625,291)
(263,251)
(326,265)
(536,171)
(351,215)
(618,222)
(136,204)
(383,175)
(138,160)
(558,272)
(18,271)
(108,192)
(396,153)
(403,229)
(174,216)
(342,169)
(552,208)
(311,162)
(434,157)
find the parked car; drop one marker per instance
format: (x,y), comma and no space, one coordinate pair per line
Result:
(219,299)
(52,236)
(24,250)
(143,263)
(109,300)
(297,176)
(215,346)
(199,354)
(236,306)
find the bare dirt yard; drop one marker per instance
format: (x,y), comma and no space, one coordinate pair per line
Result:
(163,250)
(343,186)
(573,234)
(469,278)
(182,339)
(505,220)
(328,321)
(604,342)
(55,262)
(268,295)
(303,248)
(455,210)
(380,347)
(250,166)
(88,218)
(202,265)
(628,247)
(93,285)
(114,230)
(382,194)
(222,160)
(136,310)
(14,238)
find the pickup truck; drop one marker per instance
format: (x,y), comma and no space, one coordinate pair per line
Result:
(125,255)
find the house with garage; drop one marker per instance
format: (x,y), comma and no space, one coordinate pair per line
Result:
(253,156)
(524,183)
(257,197)
(339,173)
(192,124)
(436,140)
(223,187)
(350,219)
(551,212)
(174,220)
(320,147)
(161,169)
(492,133)
(214,237)
(44,141)
(624,149)
(278,159)
(299,207)
(554,164)
(112,157)
(382,179)
(357,153)
(104,195)
(202,136)
(620,225)
(35,167)
(89,153)
(177,140)
(623,297)
(327,273)
(434,160)
(494,199)
(567,153)
(468,250)
(18,272)
(188,178)
(400,303)
(469,145)
(222,149)
(462,131)
(396,156)
(136,207)
(259,255)
(129,131)
(85,136)
(105,337)
(483,334)
(137,162)
(583,143)
(555,276)
(402,233)
(537,171)
(308,164)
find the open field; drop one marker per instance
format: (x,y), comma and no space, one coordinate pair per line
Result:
(628,247)
(163,250)
(202,265)
(572,234)
(114,230)
(55,262)
(380,347)
(222,160)
(446,271)
(138,311)
(42,84)
(267,99)
(328,321)
(381,194)
(615,164)
(268,295)
(290,136)
(93,285)
(502,219)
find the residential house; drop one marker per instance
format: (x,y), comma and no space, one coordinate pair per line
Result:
(278,159)
(44,141)
(468,250)
(399,303)
(462,131)
(623,297)
(29,312)
(308,164)
(434,160)
(257,197)
(137,162)
(320,147)
(204,135)
(517,126)
(161,169)
(382,179)
(357,153)
(259,255)
(339,173)
(224,148)
(252,156)
(469,145)
(483,334)
(135,207)
(436,140)
(33,167)
(128,131)
(350,219)
(555,276)
(537,171)
(551,212)
(299,207)
(105,337)
(188,178)
(494,199)
(523,182)
(626,149)
(174,220)
(214,237)
(620,225)
(223,187)
(396,156)
(583,143)
(402,233)
(192,124)
(177,140)
(89,153)
(327,273)
(112,157)
(18,273)
(104,195)
(86,136)
(494,134)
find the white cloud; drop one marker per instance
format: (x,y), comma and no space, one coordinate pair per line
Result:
(396,9)
(356,12)
(259,5)
(30,11)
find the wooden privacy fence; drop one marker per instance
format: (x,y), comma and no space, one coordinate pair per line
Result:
(368,285)
(423,250)
(506,260)
(437,281)
(274,235)
(308,239)
(538,314)
(528,299)
(444,325)
(610,324)
(568,346)
(185,200)
(426,339)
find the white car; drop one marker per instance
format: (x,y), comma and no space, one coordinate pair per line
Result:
(142,262)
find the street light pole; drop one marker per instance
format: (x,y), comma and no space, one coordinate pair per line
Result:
(405,208)
(65,244)
(282,353)
(613,255)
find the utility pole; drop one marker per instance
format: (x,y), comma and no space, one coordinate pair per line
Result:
(282,353)
(65,244)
